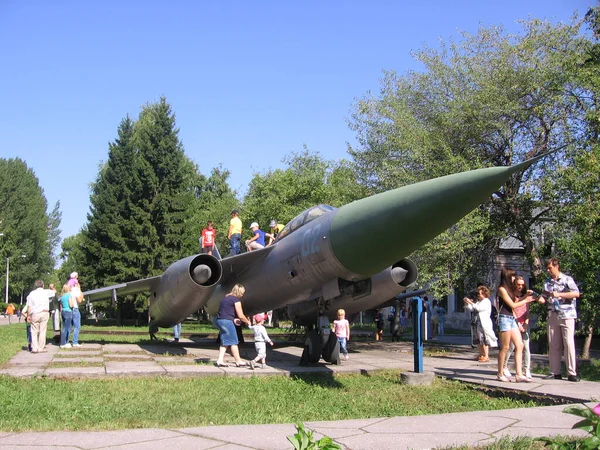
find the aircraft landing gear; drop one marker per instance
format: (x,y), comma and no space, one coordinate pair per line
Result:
(321,342)
(152,329)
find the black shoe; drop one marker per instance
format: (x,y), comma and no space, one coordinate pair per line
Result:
(553,377)
(573,378)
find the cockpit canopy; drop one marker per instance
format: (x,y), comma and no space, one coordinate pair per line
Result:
(303,218)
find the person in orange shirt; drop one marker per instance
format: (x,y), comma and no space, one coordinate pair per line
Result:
(10,311)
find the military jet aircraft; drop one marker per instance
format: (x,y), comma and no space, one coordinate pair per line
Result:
(326,258)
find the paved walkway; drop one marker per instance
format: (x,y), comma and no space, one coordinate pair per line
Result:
(192,359)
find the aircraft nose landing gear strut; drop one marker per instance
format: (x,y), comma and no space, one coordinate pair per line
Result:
(321,342)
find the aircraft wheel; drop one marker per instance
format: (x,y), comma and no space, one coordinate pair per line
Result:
(312,347)
(329,346)
(335,355)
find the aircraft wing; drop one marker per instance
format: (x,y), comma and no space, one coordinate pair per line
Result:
(130,287)
(234,266)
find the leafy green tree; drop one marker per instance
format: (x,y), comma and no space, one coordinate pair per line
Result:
(214,201)
(488,99)
(307,181)
(29,232)
(574,195)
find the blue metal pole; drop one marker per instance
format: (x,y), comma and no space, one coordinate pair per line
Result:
(417,310)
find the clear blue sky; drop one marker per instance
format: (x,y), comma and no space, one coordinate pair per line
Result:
(249,81)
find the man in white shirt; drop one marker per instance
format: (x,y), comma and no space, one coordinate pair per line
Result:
(38,307)
(562,300)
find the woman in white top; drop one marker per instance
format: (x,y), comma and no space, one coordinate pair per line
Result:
(485,328)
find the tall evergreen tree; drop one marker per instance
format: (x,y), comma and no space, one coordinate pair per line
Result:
(29,233)
(167,197)
(141,203)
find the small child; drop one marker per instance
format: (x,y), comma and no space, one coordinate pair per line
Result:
(208,238)
(342,331)
(260,341)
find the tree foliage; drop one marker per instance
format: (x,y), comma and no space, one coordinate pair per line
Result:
(489,99)
(140,202)
(574,194)
(30,233)
(308,180)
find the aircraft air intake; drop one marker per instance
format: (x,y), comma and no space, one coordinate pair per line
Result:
(184,288)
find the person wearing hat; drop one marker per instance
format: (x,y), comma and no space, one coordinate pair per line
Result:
(235,233)
(257,240)
(261,338)
(275,230)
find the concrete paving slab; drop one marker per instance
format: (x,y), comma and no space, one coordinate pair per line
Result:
(87,439)
(77,359)
(75,372)
(72,353)
(90,346)
(192,370)
(127,356)
(179,443)
(133,368)
(23,371)
(266,437)
(37,447)
(121,348)
(174,359)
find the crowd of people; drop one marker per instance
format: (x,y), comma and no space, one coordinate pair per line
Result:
(40,307)
(513,299)
(258,240)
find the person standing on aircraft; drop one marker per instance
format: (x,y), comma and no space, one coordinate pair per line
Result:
(209,234)
(231,313)
(260,341)
(38,306)
(235,233)
(257,241)
(275,230)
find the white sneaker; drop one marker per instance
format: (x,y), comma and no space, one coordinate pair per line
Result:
(67,345)
(528,374)
(507,373)
(76,345)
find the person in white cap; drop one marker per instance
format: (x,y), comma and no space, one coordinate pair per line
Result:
(257,240)
(73,279)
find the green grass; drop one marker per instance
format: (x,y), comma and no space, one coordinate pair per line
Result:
(103,404)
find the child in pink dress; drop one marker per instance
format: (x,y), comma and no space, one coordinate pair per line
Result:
(341,327)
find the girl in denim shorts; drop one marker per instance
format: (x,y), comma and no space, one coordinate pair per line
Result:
(508,330)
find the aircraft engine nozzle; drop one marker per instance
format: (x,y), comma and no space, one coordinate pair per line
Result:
(399,274)
(201,274)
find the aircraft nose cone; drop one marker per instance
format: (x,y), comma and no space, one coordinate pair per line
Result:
(371,234)
(201,274)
